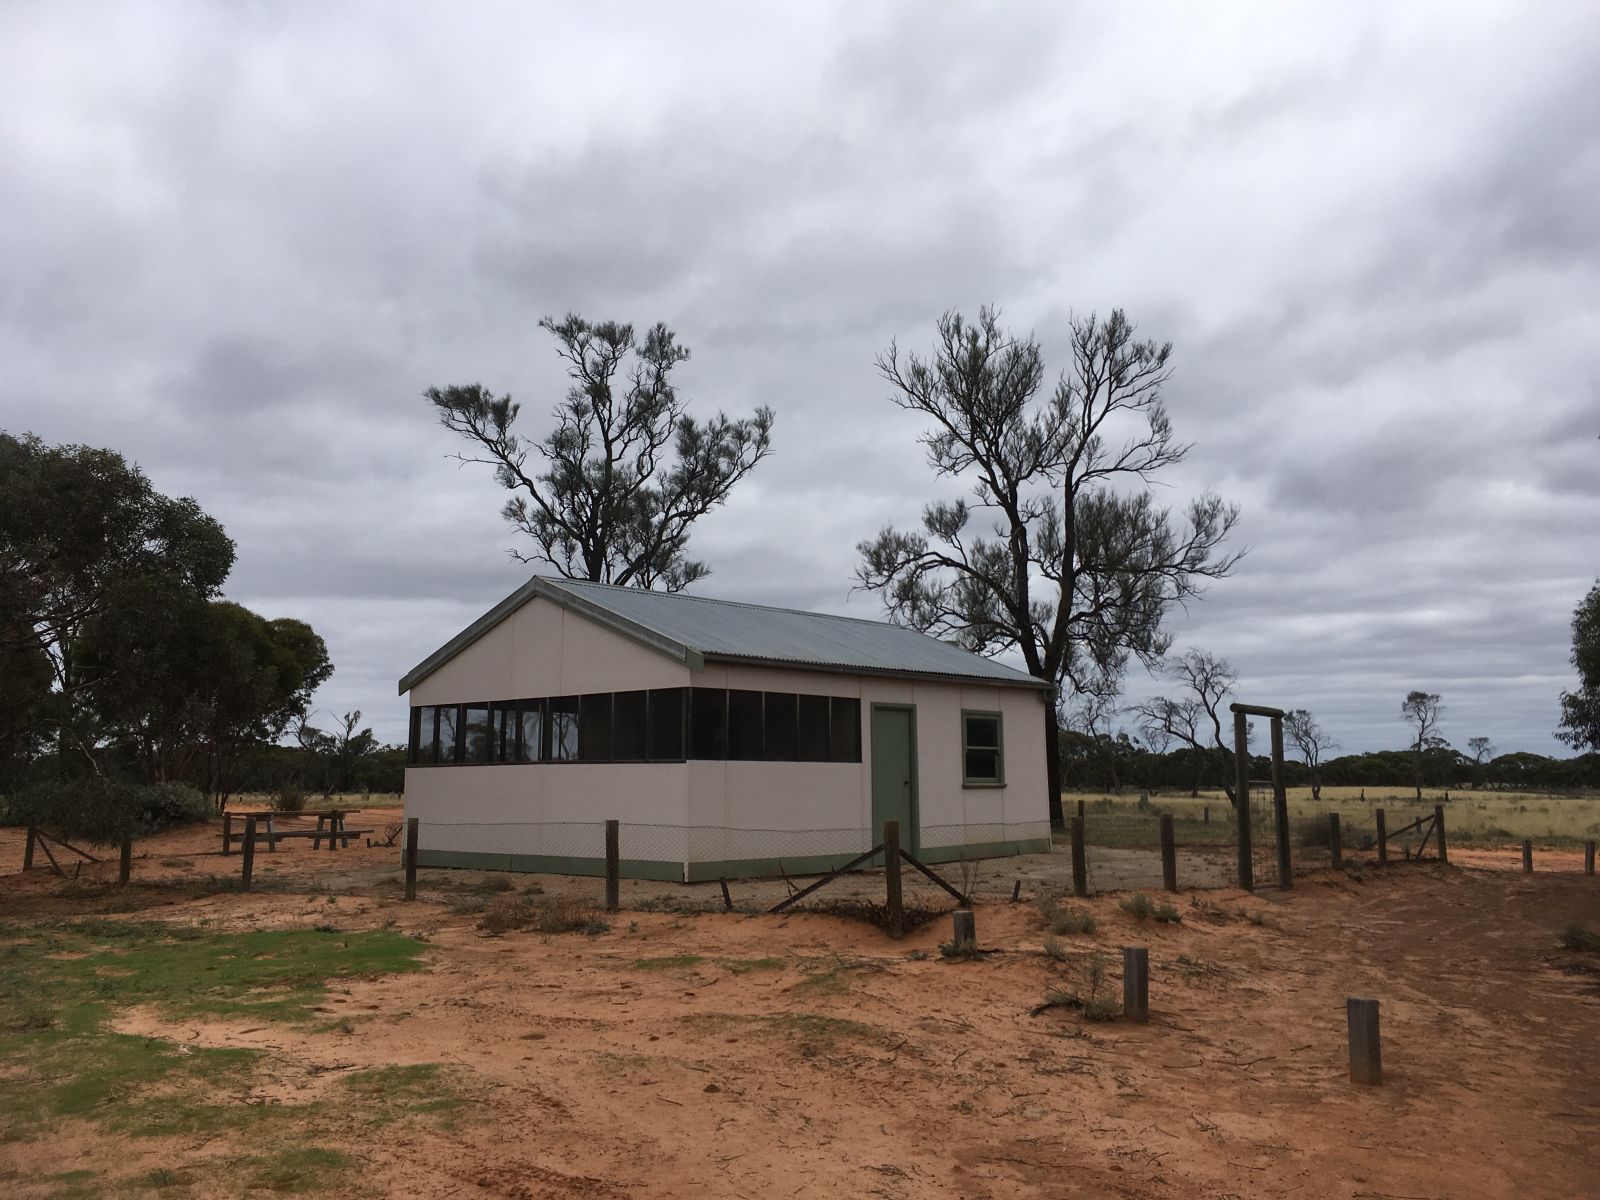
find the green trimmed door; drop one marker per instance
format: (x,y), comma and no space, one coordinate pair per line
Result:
(894,772)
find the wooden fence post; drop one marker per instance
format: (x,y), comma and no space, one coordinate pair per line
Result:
(1588,857)
(227,833)
(413,828)
(249,850)
(613,866)
(1527,856)
(1383,837)
(1169,854)
(1438,829)
(125,860)
(1080,862)
(1136,983)
(1080,806)
(27,848)
(1280,808)
(893,899)
(1335,841)
(1366,1055)
(1241,792)
(963,930)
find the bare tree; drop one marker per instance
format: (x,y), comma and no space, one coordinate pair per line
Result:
(626,472)
(1194,717)
(1480,750)
(1422,710)
(1313,743)
(1078,565)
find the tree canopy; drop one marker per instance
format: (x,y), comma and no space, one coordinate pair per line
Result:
(1058,551)
(612,493)
(1580,709)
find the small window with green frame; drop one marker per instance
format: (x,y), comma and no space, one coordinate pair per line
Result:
(982,756)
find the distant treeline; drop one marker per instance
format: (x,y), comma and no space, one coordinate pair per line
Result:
(1112,763)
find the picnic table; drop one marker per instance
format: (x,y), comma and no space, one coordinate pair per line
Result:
(331,824)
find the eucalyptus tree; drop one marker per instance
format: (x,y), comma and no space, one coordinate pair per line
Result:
(1580,709)
(1194,716)
(611,493)
(1422,711)
(1058,552)
(1313,742)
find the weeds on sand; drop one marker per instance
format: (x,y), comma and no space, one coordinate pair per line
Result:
(540,914)
(1063,920)
(1574,936)
(1141,907)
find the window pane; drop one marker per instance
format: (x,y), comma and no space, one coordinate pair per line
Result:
(666,724)
(449,720)
(422,743)
(780,724)
(563,729)
(531,744)
(812,741)
(708,723)
(628,726)
(476,734)
(594,727)
(744,725)
(845,743)
(983,731)
(983,765)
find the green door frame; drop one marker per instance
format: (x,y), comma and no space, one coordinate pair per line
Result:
(910,831)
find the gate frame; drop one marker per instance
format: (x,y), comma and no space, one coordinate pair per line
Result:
(1241,787)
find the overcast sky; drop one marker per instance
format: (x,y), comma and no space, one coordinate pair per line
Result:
(237,241)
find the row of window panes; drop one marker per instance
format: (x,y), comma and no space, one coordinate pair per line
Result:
(660,725)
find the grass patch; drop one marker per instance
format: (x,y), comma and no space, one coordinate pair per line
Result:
(59,987)
(1578,937)
(671,962)
(831,976)
(744,966)
(297,1171)
(390,1093)
(1091,996)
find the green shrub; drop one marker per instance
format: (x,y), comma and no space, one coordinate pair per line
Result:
(167,804)
(289,800)
(1313,833)
(100,811)
(1142,908)
(1068,920)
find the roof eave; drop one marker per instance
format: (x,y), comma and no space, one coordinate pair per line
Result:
(1025,682)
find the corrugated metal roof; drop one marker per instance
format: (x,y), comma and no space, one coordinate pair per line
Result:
(684,626)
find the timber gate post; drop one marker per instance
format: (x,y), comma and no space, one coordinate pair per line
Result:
(893,897)
(1280,808)
(1241,791)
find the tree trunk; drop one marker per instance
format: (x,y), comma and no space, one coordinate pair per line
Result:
(1052,765)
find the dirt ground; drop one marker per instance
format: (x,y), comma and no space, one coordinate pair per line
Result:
(729,1055)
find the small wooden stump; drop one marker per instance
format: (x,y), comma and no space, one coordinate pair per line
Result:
(1366,1056)
(1136,983)
(964,929)
(1527,856)
(412,825)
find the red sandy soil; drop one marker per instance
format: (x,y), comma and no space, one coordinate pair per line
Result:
(590,1077)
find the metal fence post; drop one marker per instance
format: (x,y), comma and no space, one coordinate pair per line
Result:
(893,897)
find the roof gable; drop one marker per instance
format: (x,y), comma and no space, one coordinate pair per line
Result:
(690,628)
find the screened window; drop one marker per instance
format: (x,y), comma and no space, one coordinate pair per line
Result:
(502,732)
(563,729)
(628,726)
(981,754)
(594,727)
(844,743)
(780,726)
(745,739)
(708,723)
(475,734)
(811,735)
(666,724)
(423,741)
(449,724)
(529,733)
